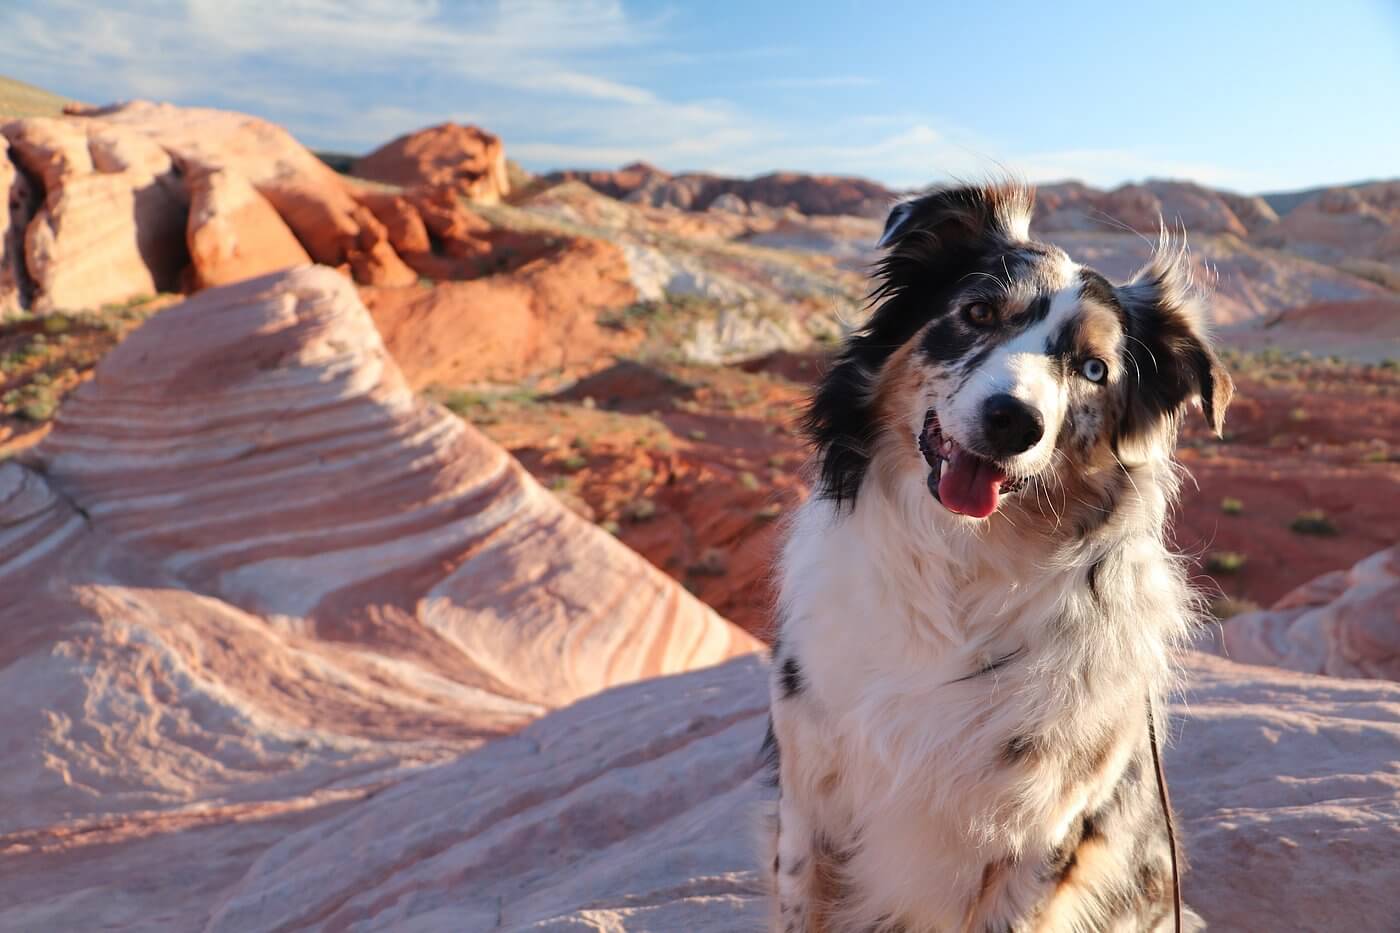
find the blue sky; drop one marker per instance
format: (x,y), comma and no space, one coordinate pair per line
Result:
(1250,95)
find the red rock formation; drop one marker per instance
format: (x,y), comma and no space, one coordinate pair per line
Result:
(467,159)
(113,222)
(543,315)
(234,233)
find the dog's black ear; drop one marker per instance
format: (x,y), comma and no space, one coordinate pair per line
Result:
(896,225)
(947,217)
(1168,358)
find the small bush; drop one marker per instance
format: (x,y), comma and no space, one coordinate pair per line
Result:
(748,481)
(697,435)
(639,510)
(1227,607)
(769,512)
(713,562)
(1231,506)
(1313,522)
(574,462)
(1227,562)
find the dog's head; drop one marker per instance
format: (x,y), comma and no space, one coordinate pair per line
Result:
(992,364)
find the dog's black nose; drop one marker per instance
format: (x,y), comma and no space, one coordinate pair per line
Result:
(1010,425)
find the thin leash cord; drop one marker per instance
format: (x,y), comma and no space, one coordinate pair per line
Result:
(1166,811)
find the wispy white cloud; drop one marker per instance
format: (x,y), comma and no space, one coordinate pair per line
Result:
(821,81)
(566,82)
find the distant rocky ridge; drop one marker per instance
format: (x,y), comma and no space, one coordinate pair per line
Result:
(1356,222)
(815,195)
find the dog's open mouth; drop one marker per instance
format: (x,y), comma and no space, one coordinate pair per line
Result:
(964,482)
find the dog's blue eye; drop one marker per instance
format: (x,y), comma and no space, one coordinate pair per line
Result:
(1094,369)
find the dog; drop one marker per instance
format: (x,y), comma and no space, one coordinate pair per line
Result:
(978,613)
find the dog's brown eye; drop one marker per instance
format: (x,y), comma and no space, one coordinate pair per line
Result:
(980,314)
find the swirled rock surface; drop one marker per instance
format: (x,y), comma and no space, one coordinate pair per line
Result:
(257,580)
(634,811)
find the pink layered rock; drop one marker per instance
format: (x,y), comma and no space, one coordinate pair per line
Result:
(635,811)
(234,233)
(254,579)
(17,204)
(111,224)
(466,159)
(1343,624)
(112,169)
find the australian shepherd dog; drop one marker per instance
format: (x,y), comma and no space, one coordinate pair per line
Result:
(978,613)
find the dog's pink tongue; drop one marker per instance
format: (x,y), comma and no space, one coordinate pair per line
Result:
(970,485)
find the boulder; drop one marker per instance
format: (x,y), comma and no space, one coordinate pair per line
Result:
(316,203)
(466,159)
(1344,624)
(98,206)
(234,233)
(111,223)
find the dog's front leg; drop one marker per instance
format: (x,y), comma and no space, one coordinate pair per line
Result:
(795,894)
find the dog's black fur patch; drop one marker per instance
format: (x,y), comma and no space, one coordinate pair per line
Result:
(790,676)
(936,241)
(771,756)
(1165,357)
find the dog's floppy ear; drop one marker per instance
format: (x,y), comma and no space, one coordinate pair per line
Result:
(1168,358)
(897,224)
(950,215)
